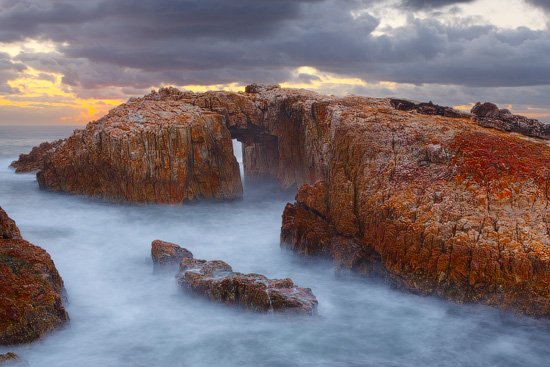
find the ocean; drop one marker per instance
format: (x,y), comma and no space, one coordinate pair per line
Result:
(124,314)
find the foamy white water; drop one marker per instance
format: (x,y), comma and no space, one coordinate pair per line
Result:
(124,315)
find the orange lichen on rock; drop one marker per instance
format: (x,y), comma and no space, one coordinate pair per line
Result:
(31,291)
(445,207)
(147,150)
(434,203)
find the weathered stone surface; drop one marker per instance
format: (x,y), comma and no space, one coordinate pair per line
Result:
(8,228)
(33,162)
(216,280)
(167,253)
(488,115)
(31,291)
(436,206)
(151,149)
(12,359)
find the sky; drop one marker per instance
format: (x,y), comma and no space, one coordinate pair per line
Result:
(69,62)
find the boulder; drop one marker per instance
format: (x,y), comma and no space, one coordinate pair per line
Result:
(167,253)
(215,280)
(488,115)
(31,290)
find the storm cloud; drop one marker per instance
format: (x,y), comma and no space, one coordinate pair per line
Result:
(136,44)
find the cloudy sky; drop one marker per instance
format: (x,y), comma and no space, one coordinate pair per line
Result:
(68,62)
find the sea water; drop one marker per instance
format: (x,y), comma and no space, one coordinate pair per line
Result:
(124,314)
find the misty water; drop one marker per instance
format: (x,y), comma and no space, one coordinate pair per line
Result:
(123,314)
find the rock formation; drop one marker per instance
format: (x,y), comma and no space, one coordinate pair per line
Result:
(31,290)
(436,206)
(432,201)
(13,360)
(151,149)
(426,108)
(33,162)
(167,253)
(216,280)
(489,115)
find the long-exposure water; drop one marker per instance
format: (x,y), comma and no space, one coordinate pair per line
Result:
(123,314)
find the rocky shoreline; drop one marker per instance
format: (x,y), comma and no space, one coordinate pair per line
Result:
(424,196)
(31,290)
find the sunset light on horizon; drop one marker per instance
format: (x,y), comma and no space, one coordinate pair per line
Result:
(62,62)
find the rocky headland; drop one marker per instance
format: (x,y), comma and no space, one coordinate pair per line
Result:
(31,290)
(433,200)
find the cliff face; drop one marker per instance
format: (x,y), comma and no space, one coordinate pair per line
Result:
(151,149)
(171,146)
(443,206)
(435,203)
(31,290)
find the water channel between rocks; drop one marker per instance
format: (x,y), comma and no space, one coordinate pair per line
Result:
(124,315)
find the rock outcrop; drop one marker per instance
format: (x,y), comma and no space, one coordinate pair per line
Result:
(216,280)
(167,254)
(489,115)
(436,206)
(151,149)
(426,108)
(432,201)
(31,290)
(34,161)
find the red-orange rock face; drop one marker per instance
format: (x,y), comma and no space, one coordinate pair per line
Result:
(148,150)
(216,280)
(30,292)
(8,228)
(434,203)
(167,254)
(33,162)
(445,207)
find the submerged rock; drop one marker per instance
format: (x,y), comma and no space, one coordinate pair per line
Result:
(216,280)
(12,359)
(167,253)
(31,290)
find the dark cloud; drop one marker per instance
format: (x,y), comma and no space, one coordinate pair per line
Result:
(544,4)
(9,70)
(432,4)
(136,44)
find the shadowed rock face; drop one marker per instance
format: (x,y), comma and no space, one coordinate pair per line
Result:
(216,280)
(489,115)
(30,289)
